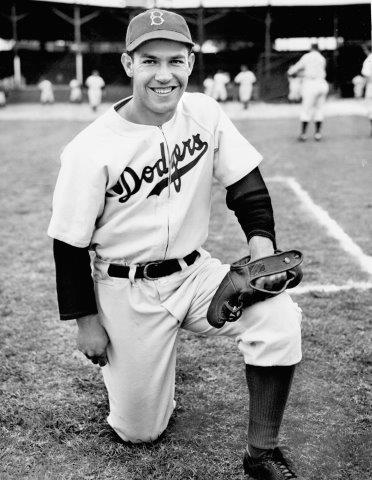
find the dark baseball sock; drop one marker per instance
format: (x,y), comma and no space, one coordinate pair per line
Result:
(304,127)
(318,127)
(268,392)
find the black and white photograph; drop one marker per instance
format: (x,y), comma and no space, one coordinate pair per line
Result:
(186,274)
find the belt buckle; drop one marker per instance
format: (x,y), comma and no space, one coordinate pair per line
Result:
(145,270)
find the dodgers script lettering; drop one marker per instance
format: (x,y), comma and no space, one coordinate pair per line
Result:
(130,181)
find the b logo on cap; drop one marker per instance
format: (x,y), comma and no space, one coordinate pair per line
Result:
(156,17)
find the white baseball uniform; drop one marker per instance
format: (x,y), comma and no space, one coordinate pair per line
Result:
(245,80)
(220,80)
(95,83)
(139,193)
(367,73)
(208,85)
(312,66)
(75,92)
(359,83)
(46,91)
(294,88)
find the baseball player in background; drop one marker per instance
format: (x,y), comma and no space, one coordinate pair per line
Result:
(46,91)
(367,74)
(359,83)
(135,188)
(245,79)
(95,84)
(76,95)
(220,80)
(2,95)
(208,85)
(294,88)
(312,67)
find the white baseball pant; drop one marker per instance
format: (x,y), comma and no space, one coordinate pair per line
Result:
(314,93)
(219,93)
(75,95)
(245,93)
(94,97)
(47,97)
(142,319)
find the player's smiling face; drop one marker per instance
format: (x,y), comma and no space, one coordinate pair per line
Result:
(160,70)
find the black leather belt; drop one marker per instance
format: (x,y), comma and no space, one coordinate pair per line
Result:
(152,270)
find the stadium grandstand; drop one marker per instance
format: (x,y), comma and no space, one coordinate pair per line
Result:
(63,39)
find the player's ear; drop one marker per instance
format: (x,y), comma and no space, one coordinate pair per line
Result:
(191,61)
(127,62)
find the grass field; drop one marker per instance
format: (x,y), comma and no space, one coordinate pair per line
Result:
(53,402)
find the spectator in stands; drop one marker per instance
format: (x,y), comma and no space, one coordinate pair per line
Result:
(95,85)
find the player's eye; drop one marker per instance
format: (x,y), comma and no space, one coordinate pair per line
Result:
(148,61)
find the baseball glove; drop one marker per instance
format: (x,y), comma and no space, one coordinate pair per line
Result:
(238,290)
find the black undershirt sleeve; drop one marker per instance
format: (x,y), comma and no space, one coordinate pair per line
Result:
(251,203)
(75,290)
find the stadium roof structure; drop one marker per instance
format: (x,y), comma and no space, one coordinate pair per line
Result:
(182,4)
(98,26)
(228,20)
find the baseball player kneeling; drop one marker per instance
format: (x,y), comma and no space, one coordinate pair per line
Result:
(135,188)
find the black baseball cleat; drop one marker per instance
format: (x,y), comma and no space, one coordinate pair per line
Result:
(271,466)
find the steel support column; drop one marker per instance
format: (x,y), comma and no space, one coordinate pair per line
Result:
(268,21)
(200,25)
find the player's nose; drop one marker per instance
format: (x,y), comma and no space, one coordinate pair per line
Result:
(163,74)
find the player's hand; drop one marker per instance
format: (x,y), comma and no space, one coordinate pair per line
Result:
(263,247)
(271,282)
(92,339)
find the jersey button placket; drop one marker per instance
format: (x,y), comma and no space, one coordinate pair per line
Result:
(167,193)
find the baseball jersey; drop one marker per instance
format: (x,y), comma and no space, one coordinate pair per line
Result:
(46,87)
(367,67)
(221,79)
(75,84)
(208,85)
(245,78)
(312,65)
(138,193)
(95,82)
(367,72)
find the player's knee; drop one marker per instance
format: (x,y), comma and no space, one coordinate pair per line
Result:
(273,333)
(136,432)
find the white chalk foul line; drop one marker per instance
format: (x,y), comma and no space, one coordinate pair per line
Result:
(300,290)
(332,227)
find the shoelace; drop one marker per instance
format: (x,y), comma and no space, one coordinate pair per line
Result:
(284,469)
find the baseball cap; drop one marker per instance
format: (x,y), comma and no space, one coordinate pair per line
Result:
(157,24)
